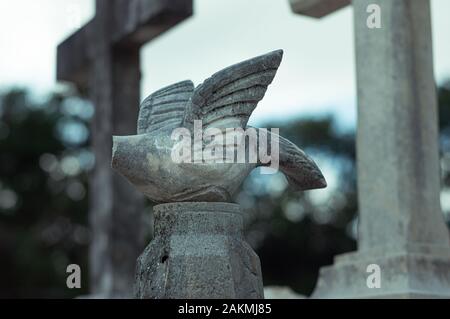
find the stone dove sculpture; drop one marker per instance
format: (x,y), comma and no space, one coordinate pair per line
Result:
(224,101)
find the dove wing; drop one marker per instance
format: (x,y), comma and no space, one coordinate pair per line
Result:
(228,98)
(164,109)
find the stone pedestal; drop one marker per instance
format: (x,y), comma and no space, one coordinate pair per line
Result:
(407,272)
(198,252)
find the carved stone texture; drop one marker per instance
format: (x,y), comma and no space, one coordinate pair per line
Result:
(224,101)
(198,252)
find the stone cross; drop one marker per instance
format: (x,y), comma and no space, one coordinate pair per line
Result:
(403,242)
(103,56)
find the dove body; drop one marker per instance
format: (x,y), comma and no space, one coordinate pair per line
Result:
(146,161)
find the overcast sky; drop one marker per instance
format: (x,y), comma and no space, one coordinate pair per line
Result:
(317,73)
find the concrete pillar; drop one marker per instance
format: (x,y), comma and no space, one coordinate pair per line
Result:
(116,209)
(401,227)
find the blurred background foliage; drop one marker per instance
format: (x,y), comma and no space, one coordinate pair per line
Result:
(43,186)
(45,160)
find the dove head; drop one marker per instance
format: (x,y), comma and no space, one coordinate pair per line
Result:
(128,158)
(120,162)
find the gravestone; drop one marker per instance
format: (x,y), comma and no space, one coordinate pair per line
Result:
(199,249)
(402,236)
(103,57)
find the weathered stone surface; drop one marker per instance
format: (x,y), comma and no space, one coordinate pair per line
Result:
(224,101)
(401,226)
(132,24)
(317,8)
(116,209)
(397,140)
(198,252)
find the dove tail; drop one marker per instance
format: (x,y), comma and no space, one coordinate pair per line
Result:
(300,170)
